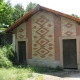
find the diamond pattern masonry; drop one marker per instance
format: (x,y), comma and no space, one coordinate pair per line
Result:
(68,27)
(43,39)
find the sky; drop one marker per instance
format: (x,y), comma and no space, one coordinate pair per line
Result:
(64,6)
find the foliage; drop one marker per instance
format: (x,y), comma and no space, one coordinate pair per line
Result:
(56,69)
(4,54)
(30,6)
(9,14)
(19,73)
(5,39)
(23,73)
(2,29)
(6,15)
(14,74)
(7,56)
(37,69)
(18,12)
(1,5)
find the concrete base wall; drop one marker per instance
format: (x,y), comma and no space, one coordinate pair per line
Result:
(44,63)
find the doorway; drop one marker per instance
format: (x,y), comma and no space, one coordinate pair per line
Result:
(22,52)
(69,54)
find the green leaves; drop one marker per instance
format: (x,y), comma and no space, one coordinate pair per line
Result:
(18,12)
(1,5)
(6,14)
(9,14)
(30,6)
(5,51)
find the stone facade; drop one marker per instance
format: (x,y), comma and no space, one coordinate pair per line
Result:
(44,33)
(68,27)
(42,37)
(21,31)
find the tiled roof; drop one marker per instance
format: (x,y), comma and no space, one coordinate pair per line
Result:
(38,7)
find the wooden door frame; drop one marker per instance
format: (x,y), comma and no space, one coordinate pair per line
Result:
(77,49)
(26,40)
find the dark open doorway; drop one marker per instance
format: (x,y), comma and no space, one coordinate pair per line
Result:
(22,52)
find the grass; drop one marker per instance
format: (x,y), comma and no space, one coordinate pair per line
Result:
(24,72)
(15,74)
(19,73)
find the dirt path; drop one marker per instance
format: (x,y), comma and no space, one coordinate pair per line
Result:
(66,75)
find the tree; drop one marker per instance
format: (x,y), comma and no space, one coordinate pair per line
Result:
(5,14)
(18,12)
(1,5)
(30,6)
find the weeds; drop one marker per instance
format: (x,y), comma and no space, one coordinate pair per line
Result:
(23,73)
(7,56)
(56,69)
(14,74)
(4,61)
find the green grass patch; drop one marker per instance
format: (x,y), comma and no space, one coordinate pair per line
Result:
(24,72)
(15,74)
(38,69)
(20,73)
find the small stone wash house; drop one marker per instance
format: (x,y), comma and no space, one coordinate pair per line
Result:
(48,38)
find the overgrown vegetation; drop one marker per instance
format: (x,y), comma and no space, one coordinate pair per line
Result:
(19,74)
(15,74)
(56,69)
(7,56)
(5,39)
(24,72)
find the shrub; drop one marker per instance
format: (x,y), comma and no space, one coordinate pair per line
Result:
(37,69)
(4,62)
(5,38)
(7,57)
(55,69)
(58,68)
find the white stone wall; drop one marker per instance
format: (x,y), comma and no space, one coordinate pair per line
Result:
(44,63)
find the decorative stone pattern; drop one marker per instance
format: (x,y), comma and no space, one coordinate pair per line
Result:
(21,31)
(68,27)
(43,35)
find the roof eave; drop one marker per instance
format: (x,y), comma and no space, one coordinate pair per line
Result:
(32,12)
(61,14)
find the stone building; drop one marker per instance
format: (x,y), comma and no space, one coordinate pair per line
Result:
(46,37)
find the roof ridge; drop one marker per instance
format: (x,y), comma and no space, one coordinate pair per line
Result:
(37,8)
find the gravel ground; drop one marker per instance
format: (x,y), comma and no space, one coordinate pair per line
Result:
(66,75)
